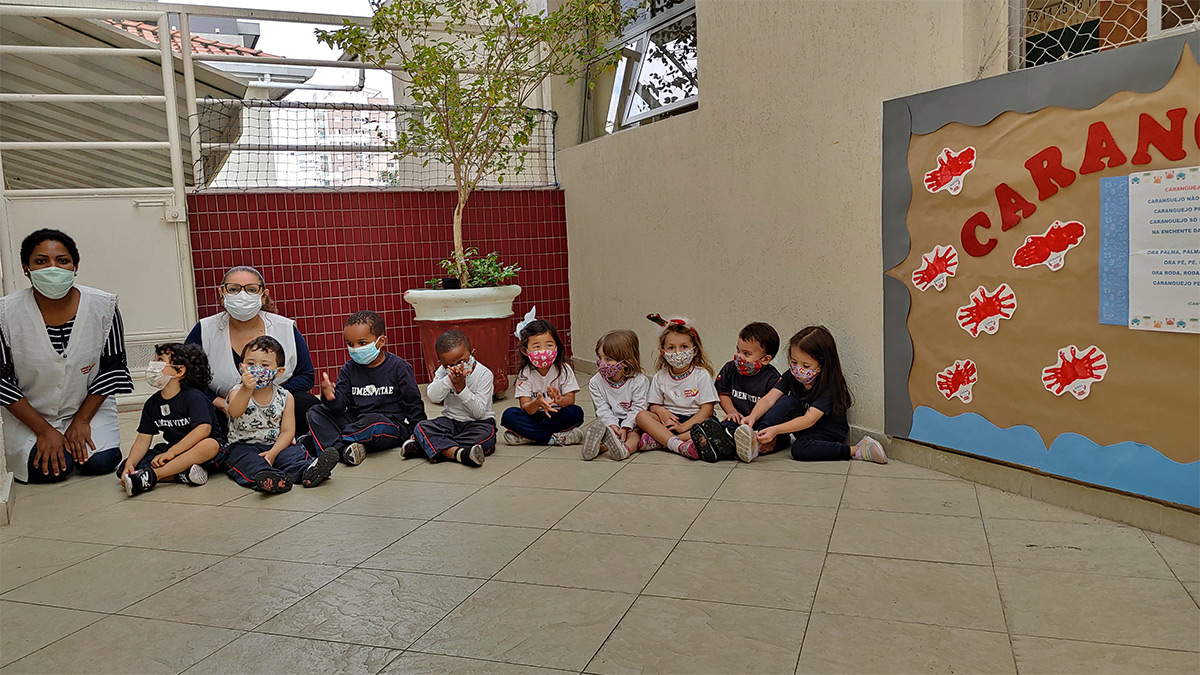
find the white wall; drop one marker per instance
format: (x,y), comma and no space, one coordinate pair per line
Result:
(763,204)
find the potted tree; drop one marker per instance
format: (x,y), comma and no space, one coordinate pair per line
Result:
(469,67)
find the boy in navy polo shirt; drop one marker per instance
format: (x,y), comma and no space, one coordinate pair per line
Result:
(375,404)
(740,383)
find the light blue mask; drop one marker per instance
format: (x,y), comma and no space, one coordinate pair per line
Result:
(364,354)
(52,282)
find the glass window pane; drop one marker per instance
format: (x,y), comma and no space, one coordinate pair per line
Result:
(670,73)
(608,93)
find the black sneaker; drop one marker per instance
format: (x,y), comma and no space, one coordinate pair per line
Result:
(306,441)
(411,449)
(472,457)
(272,481)
(195,475)
(320,468)
(139,481)
(354,454)
(704,444)
(718,438)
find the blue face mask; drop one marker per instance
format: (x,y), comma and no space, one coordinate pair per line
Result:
(364,354)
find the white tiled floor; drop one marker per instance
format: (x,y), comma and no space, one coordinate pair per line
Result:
(539,562)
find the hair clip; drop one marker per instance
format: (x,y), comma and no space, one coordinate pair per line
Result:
(529,318)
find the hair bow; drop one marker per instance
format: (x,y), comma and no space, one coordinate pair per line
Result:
(657,318)
(529,318)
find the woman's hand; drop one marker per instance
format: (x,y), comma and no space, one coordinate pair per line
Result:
(749,421)
(51,457)
(767,435)
(221,404)
(79,439)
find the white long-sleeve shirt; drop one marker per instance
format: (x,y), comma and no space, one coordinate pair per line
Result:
(619,405)
(473,403)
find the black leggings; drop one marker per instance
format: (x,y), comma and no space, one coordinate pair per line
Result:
(102,461)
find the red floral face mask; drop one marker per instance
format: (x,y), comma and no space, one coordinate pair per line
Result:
(745,366)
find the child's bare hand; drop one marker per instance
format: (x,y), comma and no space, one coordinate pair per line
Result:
(269,456)
(668,419)
(161,460)
(546,404)
(618,431)
(458,379)
(735,417)
(326,387)
(248,381)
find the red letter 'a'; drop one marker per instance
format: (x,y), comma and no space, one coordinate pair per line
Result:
(1046,169)
(1101,150)
(1013,207)
(1168,142)
(970,242)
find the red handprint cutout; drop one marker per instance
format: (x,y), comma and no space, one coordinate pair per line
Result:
(936,267)
(1075,372)
(1050,247)
(957,380)
(986,310)
(952,168)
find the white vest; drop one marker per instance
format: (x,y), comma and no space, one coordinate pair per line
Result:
(214,333)
(56,384)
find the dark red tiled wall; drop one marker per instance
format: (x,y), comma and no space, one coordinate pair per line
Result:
(327,255)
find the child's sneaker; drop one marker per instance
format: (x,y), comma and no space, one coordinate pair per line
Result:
(746,443)
(473,457)
(515,439)
(568,437)
(306,441)
(614,445)
(139,481)
(869,450)
(648,443)
(195,475)
(593,439)
(411,449)
(320,468)
(354,454)
(272,481)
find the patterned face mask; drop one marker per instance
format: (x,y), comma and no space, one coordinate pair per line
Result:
(542,358)
(806,375)
(263,376)
(609,369)
(680,359)
(155,375)
(745,366)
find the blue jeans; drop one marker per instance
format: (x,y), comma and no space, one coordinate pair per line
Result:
(815,444)
(242,462)
(539,427)
(101,462)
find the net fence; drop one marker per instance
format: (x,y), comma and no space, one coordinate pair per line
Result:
(1055,30)
(258,144)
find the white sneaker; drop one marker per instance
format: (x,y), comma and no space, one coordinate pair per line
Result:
(614,445)
(514,439)
(869,450)
(592,439)
(568,437)
(354,454)
(746,443)
(195,475)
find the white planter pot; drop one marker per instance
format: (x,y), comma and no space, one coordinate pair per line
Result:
(494,302)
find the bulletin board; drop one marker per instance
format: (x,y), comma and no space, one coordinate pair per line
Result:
(1042,268)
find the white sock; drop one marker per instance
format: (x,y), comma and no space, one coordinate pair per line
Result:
(674,443)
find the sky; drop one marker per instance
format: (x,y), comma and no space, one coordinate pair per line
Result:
(297,41)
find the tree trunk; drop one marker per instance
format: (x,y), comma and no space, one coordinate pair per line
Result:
(460,258)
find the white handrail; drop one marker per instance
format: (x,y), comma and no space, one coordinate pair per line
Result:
(84,145)
(81,98)
(179,212)
(56,50)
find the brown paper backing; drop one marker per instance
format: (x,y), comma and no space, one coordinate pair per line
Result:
(1151,391)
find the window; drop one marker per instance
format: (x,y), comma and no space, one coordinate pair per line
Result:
(657,71)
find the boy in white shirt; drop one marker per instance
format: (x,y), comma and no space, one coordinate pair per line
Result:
(466,430)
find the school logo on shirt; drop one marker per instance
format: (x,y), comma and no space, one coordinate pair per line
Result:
(164,410)
(626,405)
(372,390)
(691,393)
(87,369)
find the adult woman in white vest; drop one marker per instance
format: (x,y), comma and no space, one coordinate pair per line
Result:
(249,313)
(62,360)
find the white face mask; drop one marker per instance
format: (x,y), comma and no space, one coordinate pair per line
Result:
(243,306)
(680,359)
(155,375)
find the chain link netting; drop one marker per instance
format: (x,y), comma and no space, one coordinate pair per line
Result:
(1055,30)
(256,144)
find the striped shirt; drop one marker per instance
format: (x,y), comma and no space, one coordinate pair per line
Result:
(113,377)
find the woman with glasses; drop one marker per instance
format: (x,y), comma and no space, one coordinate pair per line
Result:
(62,361)
(249,313)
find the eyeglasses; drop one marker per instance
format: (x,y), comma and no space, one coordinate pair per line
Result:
(252,289)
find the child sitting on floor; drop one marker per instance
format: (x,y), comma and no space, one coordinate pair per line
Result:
(180,411)
(740,385)
(619,392)
(809,402)
(376,403)
(681,392)
(545,388)
(466,430)
(260,453)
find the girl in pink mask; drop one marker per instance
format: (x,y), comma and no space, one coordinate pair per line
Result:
(619,391)
(545,388)
(810,403)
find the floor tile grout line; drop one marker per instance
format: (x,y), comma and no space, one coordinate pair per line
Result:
(1195,652)
(821,573)
(101,616)
(111,547)
(1012,648)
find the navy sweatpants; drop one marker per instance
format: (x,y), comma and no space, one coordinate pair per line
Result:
(151,452)
(443,433)
(242,462)
(101,462)
(815,444)
(337,430)
(539,427)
